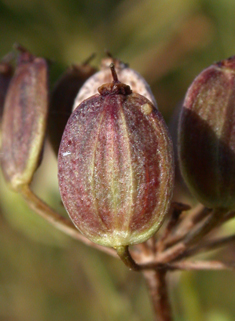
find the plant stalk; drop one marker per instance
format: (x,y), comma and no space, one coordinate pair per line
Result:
(61,223)
(125,256)
(157,286)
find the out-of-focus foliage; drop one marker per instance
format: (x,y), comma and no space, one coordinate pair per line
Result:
(45,275)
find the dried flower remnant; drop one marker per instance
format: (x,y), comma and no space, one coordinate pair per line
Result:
(125,74)
(62,99)
(116,166)
(24,120)
(207,136)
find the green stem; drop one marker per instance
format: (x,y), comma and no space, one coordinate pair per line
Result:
(58,221)
(124,254)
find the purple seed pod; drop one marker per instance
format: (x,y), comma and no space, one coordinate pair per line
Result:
(62,98)
(207,136)
(116,166)
(24,120)
(6,72)
(125,74)
(181,191)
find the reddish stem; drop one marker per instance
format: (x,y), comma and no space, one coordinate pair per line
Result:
(157,286)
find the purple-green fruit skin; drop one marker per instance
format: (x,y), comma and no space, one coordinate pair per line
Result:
(207,136)
(116,168)
(24,120)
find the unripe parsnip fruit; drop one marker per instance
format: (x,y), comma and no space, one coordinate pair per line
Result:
(116,167)
(24,120)
(6,71)
(207,136)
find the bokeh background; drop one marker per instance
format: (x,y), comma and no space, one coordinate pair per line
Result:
(47,276)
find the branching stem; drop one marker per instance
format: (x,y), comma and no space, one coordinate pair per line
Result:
(169,254)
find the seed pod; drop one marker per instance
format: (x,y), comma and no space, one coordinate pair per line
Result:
(207,136)
(125,74)
(62,98)
(116,167)
(24,120)
(6,72)
(181,191)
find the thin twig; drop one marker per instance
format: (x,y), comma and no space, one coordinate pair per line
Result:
(176,211)
(58,221)
(187,224)
(203,229)
(170,254)
(211,245)
(179,250)
(201,265)
(188,265)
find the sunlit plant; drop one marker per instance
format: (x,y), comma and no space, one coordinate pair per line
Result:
(116,162)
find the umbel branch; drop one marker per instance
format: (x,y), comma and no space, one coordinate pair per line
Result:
(170,252)
(115,151)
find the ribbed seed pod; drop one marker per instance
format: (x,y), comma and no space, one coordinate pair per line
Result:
(24,120)
(6,72)
(207,136)
(62,99)
(116,167)
(125,74)
(181,191)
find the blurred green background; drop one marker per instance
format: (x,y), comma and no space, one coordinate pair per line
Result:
(45,275)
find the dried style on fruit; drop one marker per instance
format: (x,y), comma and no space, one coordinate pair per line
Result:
(207,136)
(116,166)
(24,120)
(125,74)
(62,99)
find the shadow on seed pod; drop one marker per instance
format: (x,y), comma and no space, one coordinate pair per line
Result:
(116,166)
(125,74)
(6,72)
(181,191)
(62,99)
(24,119)
(207,136)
